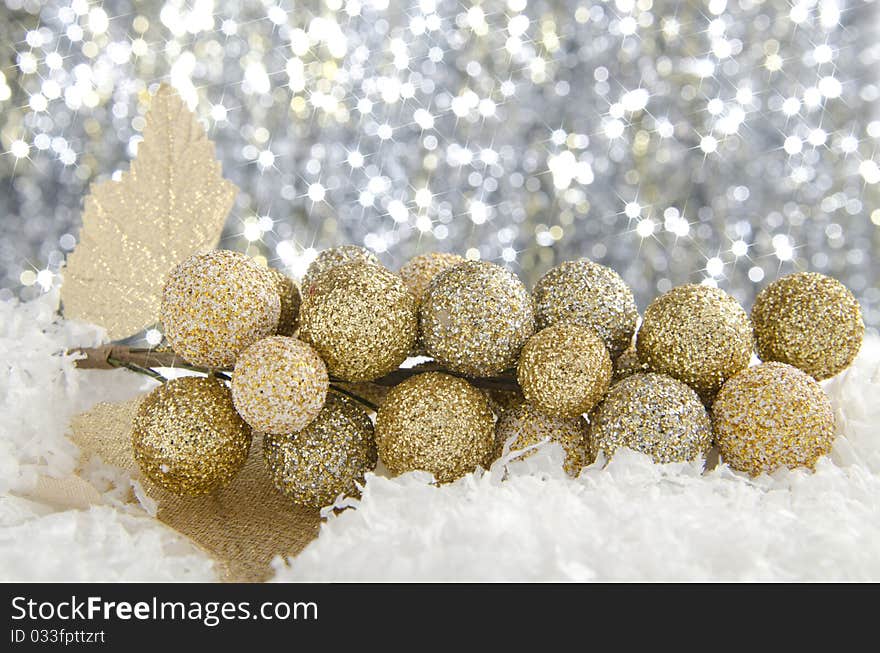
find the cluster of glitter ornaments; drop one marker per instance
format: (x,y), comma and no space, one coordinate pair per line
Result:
(303,369)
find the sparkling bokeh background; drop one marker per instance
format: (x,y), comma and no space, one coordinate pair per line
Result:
(721,141)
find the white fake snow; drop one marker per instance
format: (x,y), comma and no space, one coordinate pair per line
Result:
(40,390)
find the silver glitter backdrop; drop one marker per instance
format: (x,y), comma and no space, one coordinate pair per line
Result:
(720,141)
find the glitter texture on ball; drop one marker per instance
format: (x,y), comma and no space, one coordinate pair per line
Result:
(417,274)
(564,370)
(772,416)
(361,319)
(653,414)
(419,271)
(436,423)
(810,321)
(502,400)
(279,384)
(591,295)
(697,334)
(330,258)
(290,297)
(187,437)
(475,318)
(529,426)
(627,364)
(217,303)
(326,459)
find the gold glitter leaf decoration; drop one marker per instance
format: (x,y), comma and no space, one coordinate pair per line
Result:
(171,203)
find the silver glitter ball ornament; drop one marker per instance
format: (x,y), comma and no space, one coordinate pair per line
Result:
(326,459)
(591,295)
(653,414)
(475,318)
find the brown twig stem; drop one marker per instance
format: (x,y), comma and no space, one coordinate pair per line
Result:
(351,395)
(145,361)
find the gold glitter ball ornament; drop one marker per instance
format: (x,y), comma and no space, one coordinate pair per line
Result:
(529,426)
(653,414)
(361,319)
(696,334)
(627,364)
(475,318)
(810,321)
(279,384)
(419,271)
(591,295)
(417,274)
(771,416)
(328,458)
(330,258)
(290,297)
(437,423)
(502,400)
(217,303)
(187,437)
(564,370)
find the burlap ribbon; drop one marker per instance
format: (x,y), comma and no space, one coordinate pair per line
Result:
(242,527)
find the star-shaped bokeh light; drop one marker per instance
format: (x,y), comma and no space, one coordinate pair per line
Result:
(724,142)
